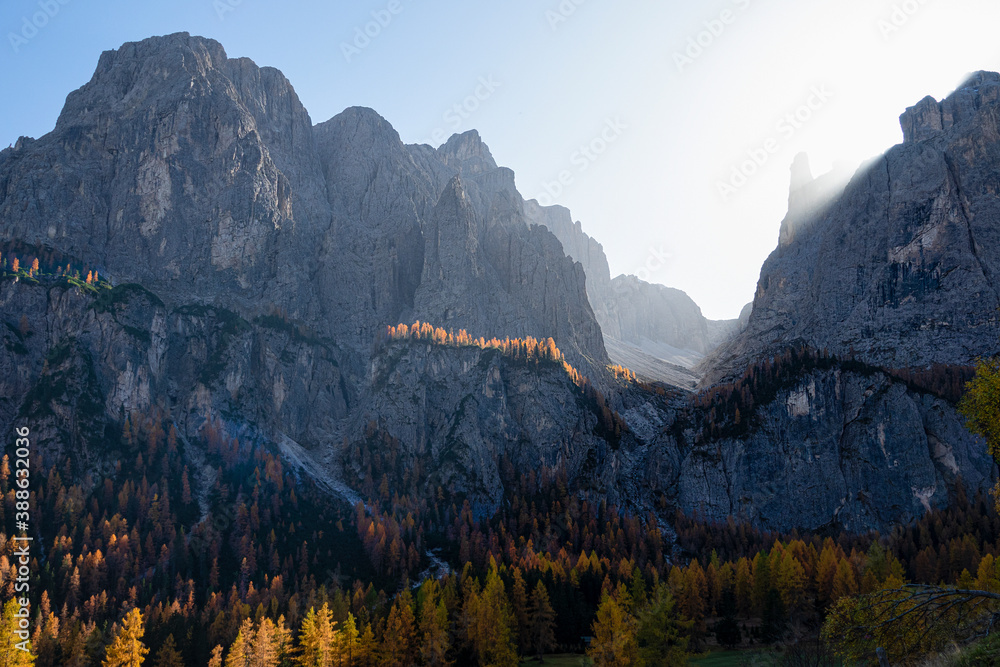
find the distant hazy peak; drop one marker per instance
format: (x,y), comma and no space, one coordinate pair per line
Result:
(801,172)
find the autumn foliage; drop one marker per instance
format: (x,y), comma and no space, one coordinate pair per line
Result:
(527,350)
(17,259)
(225,554)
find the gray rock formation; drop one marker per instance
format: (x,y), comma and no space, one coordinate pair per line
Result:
(585,250)
(178,168)
(856,450)
(85,360)
(838,448)
(902,267)
(461,411)
(657,331)
(258,259)
(722,331)
(643,312)
(202,178)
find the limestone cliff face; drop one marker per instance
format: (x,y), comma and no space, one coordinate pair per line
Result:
(645,312)
(484,262)
(585,250)
(203,178)
(84,360)
(470,409)
(902,267)
(258,258)
(836,448)
(657,331)
(174,166)
(854,450)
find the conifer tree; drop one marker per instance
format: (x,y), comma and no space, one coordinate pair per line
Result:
(434,644)
(981,407)
(493,633)
(168,655)
(519,605)
(127,649)
(844,581)
(659,635)
(346,642)
(10,653)
(364,656)
(316,638)
(743,586)
(542,621)
(268,644)
(790,581)
(240,653)
(399,642)
(614,643)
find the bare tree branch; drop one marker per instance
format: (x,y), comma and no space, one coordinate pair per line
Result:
(911,621)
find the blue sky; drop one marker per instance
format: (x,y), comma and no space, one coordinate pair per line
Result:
(642,108)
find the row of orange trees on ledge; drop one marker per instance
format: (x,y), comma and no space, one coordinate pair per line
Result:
(525,350)
(528,349)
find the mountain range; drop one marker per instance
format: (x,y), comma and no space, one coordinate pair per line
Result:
(246,265)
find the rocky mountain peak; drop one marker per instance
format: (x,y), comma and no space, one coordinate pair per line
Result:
(807,197)
(921,121)
(364,126)
(929,118)
(801,173)
(154,67)
(900,266)
(468,153)
(179,49)
(179,168)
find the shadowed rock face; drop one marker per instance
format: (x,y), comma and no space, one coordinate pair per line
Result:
(202,179)
(844,449)
(271,254)
(174,166)
(903,266)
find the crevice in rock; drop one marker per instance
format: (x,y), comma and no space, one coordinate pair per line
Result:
(967,217)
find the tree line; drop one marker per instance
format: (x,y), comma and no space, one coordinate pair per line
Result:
(259,568)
